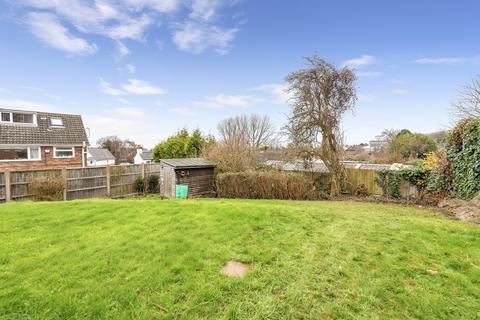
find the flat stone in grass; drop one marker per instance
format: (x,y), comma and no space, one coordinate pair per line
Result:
(234,269)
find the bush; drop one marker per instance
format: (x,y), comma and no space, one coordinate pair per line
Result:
(153,182)
(47,188)
(265,185)
(139,185)
(149,184)
(361,190)
(389,181)
(463,152)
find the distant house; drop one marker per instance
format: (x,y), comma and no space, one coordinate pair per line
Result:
(30,139)
(143,156)
(99,157)
(376,146)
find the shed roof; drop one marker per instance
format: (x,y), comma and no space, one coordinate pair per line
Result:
(188,163)
(100,154)
(72,132)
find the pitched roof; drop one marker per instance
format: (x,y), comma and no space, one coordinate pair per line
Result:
(188,163)
(72,132)
(146,155)
(100,154)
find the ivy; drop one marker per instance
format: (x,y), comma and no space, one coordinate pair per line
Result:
(389,181)
(463,152)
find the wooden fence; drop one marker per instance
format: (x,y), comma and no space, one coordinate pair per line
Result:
(366,177)
(80,183)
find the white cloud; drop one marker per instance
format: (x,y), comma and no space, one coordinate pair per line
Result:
(48,28)
(19,104)
(399,91)
(277,93)
(369,74)
(131,68)
(182,111)
(134,86)
(221,100)
(141,87)
(130,112)
(204,9)
(129,19)
(196,37)
(122,51)
(441,60)
(107,88)
(360,62)
(124,101)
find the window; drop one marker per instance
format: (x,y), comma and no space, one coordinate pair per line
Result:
(19,154)
(56,122)
(22,117)
(18,117)
(64,153)
(6,116)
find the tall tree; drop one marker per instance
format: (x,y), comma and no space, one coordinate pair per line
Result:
(468,106)
(122,150)
(256,130)
(321,94)
(182,145)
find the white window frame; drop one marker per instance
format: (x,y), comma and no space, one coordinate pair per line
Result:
(56,125)
(63,149)
(34,118)
(29,154)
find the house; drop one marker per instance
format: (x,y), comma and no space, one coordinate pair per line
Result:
(30,139)
(99,157)
(197,173)
(143,156)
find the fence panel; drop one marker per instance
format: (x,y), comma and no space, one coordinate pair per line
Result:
(84,183)
(358,177)
(153,168)
(21,181)
(122,179)
(2,187)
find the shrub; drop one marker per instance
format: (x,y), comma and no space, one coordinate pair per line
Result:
(139,185)
(389,181)
(47,188)
(463,152)
(361,190)
(153,182)
(149,184)
(265,185)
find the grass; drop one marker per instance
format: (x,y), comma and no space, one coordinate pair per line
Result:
(154,259)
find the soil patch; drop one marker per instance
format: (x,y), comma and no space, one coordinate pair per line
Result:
(235,269)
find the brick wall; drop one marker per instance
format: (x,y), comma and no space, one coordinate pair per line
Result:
(48,161)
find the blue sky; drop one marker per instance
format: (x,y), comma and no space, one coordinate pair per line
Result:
(144,68)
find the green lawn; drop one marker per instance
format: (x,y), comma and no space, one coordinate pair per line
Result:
(154,259)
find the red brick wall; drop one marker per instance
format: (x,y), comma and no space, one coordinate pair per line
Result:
(48,161)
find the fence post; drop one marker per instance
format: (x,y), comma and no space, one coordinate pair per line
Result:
(8,185)
(107,170)
(65,181)
(143,170)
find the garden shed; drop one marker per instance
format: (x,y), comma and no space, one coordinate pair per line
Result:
(197,173)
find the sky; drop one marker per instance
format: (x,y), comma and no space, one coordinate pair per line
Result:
(142,69)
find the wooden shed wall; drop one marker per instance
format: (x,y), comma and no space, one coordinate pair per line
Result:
(200,181)
(167,182)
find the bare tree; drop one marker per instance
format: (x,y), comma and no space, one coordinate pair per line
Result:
(256,130)
(321,94)
(468,105)
(122,150)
